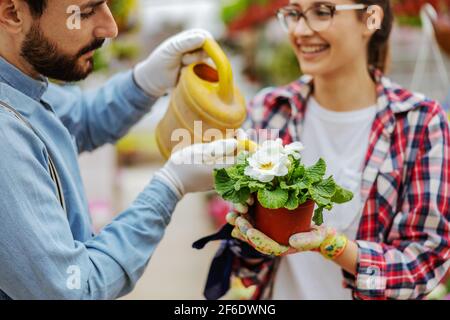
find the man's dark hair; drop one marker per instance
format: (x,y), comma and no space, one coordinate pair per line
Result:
(36,6)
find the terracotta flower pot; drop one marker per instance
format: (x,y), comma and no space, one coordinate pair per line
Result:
(280,224)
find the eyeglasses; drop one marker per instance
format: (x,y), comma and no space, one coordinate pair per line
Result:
(318,17)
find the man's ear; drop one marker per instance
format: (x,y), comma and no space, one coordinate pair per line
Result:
(374,19)
(11,15)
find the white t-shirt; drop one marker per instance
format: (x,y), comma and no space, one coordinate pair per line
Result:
(341,139)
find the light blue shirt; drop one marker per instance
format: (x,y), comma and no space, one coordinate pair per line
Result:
(45,254)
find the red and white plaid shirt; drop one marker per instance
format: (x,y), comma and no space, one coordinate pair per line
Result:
(404,232)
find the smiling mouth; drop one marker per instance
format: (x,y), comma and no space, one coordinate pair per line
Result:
(314,48)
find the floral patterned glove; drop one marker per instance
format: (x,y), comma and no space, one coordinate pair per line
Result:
(321,238)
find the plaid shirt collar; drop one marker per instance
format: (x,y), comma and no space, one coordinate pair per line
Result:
(388,99)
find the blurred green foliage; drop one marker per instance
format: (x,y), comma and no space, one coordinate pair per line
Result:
(122,10)
(231,9)
(276,64)
(100,61)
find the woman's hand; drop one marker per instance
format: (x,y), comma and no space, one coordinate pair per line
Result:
(322,239)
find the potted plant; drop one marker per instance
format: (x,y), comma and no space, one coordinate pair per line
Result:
(285,190)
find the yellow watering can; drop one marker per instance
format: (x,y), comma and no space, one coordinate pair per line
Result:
(203,106)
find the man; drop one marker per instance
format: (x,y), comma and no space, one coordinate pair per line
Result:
(47,249)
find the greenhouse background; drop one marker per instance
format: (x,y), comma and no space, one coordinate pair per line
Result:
(260,56)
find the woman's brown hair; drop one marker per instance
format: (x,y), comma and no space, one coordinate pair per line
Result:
(378,48)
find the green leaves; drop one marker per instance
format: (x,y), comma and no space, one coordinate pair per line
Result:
(273,199)
(256,185)
(298,186)
(229,189)
(322,193)
(318,216)
(342,195)
(317,171)
(299,172)
(293,201)
(325,188)
(223,182)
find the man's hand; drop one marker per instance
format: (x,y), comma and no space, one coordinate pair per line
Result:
(322,239)
(191,169)
(160,71)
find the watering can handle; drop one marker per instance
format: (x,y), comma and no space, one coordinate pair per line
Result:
(224,69)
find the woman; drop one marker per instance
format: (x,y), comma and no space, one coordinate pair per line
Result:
(388,145)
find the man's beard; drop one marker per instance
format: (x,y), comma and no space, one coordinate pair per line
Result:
(44,57)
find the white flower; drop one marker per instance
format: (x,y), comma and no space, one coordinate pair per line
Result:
(269,161)
(294,149)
